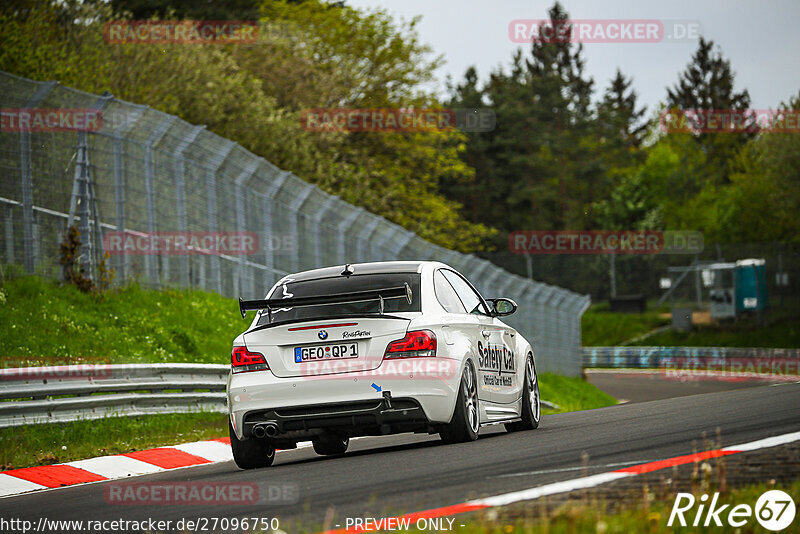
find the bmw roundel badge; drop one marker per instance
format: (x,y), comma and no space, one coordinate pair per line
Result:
(322,334)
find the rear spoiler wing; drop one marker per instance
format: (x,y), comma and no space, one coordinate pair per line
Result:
(380,295)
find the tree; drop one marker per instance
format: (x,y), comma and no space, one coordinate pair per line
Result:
(707,84)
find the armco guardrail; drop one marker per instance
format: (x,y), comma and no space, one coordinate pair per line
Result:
(32,395)
(661,357)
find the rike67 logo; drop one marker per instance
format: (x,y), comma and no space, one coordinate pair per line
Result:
(774,510)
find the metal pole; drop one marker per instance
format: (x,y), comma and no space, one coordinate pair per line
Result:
(27,180)
(180,198)
(297,206)
(326,206)
(151,267)
(241,223)
(211,211)
(270,276)
(612,274)
(344,230)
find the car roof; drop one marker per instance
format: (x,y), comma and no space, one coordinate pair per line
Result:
(363,268)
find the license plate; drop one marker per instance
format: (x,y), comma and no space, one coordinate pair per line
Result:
(315,353)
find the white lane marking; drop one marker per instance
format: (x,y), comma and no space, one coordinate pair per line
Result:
(603,478)
(550,489)
(213,451)
(12,485)
(565,469)
(765,443)
(115,466)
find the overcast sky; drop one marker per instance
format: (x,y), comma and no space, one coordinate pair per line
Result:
(760,38)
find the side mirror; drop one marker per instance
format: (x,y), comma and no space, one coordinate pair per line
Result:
(503,306)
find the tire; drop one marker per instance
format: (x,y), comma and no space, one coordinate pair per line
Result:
(251,453)
(531,402)
(330,445)
(465,422)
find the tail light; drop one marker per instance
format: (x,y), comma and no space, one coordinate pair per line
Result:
(242,361)
(417,344)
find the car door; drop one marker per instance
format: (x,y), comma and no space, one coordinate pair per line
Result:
(462,330)
(488,341)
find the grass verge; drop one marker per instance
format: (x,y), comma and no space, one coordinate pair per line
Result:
(29,445)
(572,394)
(42,322)
(644,516)
(601,328)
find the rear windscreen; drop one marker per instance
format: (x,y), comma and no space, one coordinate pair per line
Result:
(338,285)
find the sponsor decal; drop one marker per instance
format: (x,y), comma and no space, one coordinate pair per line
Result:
(322,334)
(497,359)
(356,333)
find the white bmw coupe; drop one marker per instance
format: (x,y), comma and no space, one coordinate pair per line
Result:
(373,349)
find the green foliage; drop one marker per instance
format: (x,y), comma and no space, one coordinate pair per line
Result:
(602,328)
(309,54)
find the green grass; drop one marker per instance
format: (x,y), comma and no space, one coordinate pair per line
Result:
(635,517)
(601,328)
(783,333)
(43,322)
(24,446)
(572,393)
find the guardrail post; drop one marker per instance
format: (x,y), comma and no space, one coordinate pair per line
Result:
(180,197)
(150,193)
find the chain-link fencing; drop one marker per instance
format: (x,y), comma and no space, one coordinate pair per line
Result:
(138,181)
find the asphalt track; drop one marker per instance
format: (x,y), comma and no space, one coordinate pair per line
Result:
(379,477)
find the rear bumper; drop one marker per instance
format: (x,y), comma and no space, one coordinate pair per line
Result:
(422,394)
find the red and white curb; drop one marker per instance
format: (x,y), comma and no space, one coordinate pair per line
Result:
(117,466)
(579,483)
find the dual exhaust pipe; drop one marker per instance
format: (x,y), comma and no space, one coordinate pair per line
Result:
(265,430)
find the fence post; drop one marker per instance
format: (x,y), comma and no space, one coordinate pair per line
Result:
(180,198)
(296,205)
(270,276)
(122,260)
(9,227)
(241,223)
(403,242)
(27,180)
(211,211)
(153,139)
(344,231)
(326,206)
(365,252)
